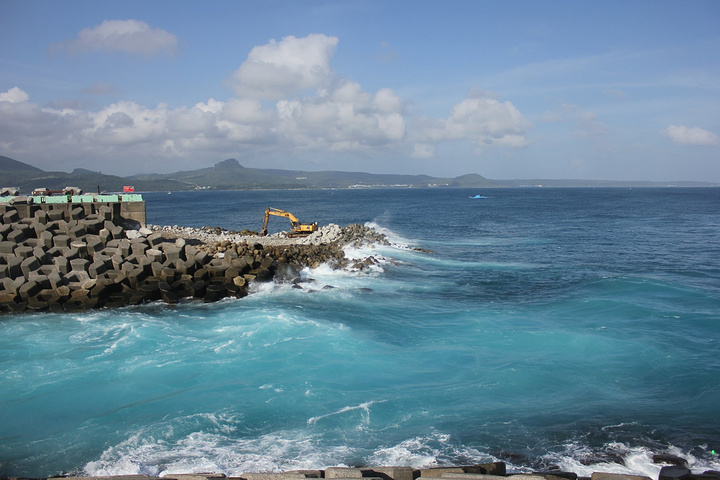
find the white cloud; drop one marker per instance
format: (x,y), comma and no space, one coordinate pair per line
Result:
(292,65)
(313,111)
(347,118)
(342,117)
(28,129)
(248,111)
(682,135)
(14,95)
(350,92)
(126,123)
(128,36)
(483,121)
(385,100)
(198,120)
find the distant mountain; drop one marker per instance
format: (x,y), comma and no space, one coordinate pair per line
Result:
(8,164)
(473,180)
(27,178)
(229,163)
(231,175)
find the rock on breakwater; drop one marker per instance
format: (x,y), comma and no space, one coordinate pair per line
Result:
(353,234)
(71,261)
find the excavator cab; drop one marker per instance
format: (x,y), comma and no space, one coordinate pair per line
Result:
(297,229)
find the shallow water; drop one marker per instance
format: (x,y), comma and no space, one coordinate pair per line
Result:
(568,327)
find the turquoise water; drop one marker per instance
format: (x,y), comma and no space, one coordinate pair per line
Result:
(568,327)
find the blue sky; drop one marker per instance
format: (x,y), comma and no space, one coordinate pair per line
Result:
(507,89)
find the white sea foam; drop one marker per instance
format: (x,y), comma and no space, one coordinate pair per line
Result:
(223,346)
(393,237)
(417,452)
(363,407)
(432,450)
(105,336)
(209,452)
(288,450)
(438,449)
(637,460)
(342,281)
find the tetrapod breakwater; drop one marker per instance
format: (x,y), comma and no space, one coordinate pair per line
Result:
(67,259)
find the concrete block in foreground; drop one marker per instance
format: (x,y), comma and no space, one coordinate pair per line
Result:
(114,477)
(55,215)
(77,232)
(16,236)
(30,264)
(155,239)
(94,244)
(29,289)
(104,235)
(11,216)
(61,241)
(474,476)
(534,476)
(271,476)
(674,472)
(124,247)
(497,468)
(173,253)
(93,225)
(617,476)
(97,268)
(308,473)
(343,472)
(46,238)
(7,247)
(194,476)
(79,264)
(394,473)
(4,230)
(154,254)
(366,478)
(23,251)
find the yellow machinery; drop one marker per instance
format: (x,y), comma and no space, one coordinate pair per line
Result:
(297,229)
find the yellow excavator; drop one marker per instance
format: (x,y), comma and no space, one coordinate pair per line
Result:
(297,229)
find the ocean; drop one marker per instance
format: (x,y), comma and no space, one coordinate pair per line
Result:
(548,328)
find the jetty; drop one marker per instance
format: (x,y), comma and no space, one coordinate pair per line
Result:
(69,253)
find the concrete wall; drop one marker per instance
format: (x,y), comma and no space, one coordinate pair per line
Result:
(129,214)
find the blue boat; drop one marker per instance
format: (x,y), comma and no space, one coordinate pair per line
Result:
(478,196)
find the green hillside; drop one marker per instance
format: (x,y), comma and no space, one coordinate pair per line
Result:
(9,165)
(28,178)
(231,175)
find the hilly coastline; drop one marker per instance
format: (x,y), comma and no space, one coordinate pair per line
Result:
(231,175)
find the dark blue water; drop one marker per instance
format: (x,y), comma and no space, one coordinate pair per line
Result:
(568,327)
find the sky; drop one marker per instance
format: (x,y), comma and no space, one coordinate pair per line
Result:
(611,90)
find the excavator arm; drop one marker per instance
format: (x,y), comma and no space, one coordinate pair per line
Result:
(296,228)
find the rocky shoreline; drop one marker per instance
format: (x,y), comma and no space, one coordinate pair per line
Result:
(71,261)
(673,469)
